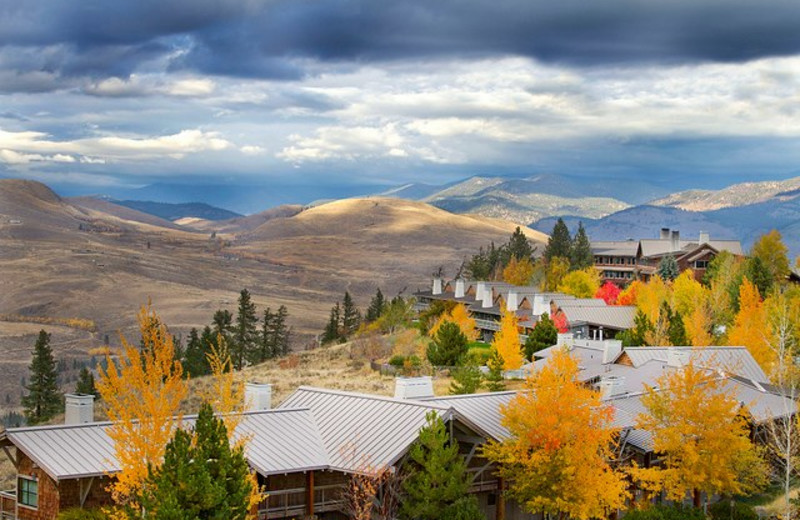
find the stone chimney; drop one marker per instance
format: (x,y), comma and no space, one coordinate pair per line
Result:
(611,386)
(704,238)
(664,233)
(676,240)
(460,288)
(566,339)
(78,409)
(611,349)
(437,286)
(413,387)
(258,396)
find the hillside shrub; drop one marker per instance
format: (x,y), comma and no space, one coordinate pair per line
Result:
(397,361)
(724,510)
(478,356)
(666,512)
(76,513)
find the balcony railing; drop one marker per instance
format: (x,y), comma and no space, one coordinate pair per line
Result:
(8,505)
(286,503)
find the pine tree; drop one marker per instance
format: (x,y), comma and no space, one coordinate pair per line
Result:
(757,272)
(438,474)
(85,384)
(581,255)
(245,332)
(449,345)
(195,362)
(518,246)
(332,331)
(376,307)
(222,321)
(351,317)
(495,381)
(543,335)
(467,379)
(559,244)
(201,476)
(668,268)
(44,400)
(677,329)
(266,339)
(281,332)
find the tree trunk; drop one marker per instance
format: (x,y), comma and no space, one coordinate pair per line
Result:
(696,498)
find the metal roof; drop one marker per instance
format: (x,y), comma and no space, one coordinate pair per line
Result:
(736,360)
(279,441)
(362,432)
(485,410)
(610,316)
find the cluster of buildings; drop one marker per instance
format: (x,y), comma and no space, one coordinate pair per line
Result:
(623,261)
(306,449)
(589,318)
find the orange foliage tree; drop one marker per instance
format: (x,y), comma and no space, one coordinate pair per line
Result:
(750,326)
(650,297)
(506,342)
(518,272)
(698,326)
(608,292)
(142,391)
(562,439)
(461,317)
(629,294)
(704,439)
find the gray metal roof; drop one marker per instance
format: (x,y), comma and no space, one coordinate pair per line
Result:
(481,409)
(279,441)
(736,360)
(361,431)
(610,316)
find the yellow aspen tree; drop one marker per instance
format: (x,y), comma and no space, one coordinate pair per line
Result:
(687,293)
(518,272)
(461,317)
(142,391)
(702,436)
(557,268)
(750,326)
(562,439)
(629,295)
(506,342)
(650,296)
(698,326)
(581,284)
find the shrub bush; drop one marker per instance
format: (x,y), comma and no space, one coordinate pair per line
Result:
(76,513)
(478,356)
(723,510)
(465,508)
(397,361)
(666,512)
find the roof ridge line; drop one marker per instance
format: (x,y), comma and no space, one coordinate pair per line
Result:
(346,393)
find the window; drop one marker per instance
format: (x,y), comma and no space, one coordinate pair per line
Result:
(28,492)
(701,264)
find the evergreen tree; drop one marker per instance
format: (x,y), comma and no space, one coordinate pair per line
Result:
(581,255)
(201,476)
(222,321)
(518,246)
(636,337)
(281,332)
(266,340)
(758,273)
(332,331)
(44,400)
(437,473)
(559,244)
(245,332)
(668,268)
(376,307)
(195,361)
(543,335)
(351,317)
(85,384)
(676,330)
(449,345)
(484,265)
(495,382)
(467,379)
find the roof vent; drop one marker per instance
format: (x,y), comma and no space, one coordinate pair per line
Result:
(610,386)
(258,396)
(566,339)
(78,409)
(413,387)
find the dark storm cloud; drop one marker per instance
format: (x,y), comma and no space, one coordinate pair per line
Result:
(254,38)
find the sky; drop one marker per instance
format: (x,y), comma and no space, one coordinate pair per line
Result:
(97,95)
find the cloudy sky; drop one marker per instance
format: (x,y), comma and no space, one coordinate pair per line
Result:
(98,94)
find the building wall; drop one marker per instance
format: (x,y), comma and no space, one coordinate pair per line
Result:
(97,496)
(48,492)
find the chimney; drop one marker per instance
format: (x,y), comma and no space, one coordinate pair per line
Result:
(704,238)
(539,306)
(611,386)
(437,286)
(664,233)
(479,288)
(611,349)
(676,358)
(566,339)
(676,240)
(460,288)
(78,409)
(488,298)
(258,396)
(512,302)
(413,387)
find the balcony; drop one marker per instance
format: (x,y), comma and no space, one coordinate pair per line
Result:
(8,505)
(290,503)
